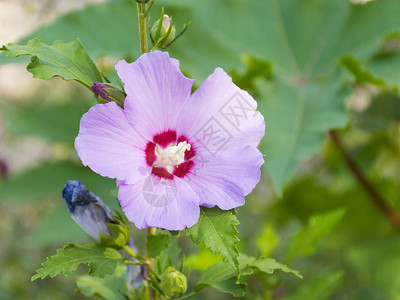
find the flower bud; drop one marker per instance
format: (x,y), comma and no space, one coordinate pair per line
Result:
(107,92)
(87,210)
(93,216)
(173,283)
(163,32)
(98,90)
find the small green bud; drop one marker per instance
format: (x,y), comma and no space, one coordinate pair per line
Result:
(163,32)
(173,283)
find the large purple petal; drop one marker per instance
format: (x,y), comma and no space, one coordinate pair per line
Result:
(220,115)
(109,145)
(226,179)
(156,92)
(170,204)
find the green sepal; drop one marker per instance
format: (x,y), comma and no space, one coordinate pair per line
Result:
(118,236)
(173,283)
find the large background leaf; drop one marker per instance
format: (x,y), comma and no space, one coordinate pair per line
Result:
(301,39)
(299,104)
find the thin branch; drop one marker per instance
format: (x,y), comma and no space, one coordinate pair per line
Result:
(373,194)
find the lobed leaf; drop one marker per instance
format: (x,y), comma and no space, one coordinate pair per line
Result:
(101,261)
(216,229)
(221,274)
(157,243)
(66,60)
(270,265)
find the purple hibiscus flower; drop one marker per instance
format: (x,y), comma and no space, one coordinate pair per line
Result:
(171,151)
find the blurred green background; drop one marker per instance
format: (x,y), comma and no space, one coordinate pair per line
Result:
(312,65)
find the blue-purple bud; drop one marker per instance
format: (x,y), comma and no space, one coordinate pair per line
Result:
(92,215)
(87,210)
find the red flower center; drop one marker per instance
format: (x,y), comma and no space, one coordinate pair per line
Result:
(170,155)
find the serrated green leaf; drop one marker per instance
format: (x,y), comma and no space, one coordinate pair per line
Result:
(66,60)
(102,261)
(100,38)
(157,243)
(305,241)
(270,265)
(220,272)
(216,229)
(110,288)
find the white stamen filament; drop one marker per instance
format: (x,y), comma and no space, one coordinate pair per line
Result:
(171,156)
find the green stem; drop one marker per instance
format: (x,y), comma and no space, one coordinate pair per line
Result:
(150,265)
(132,253)
(141,8)
(372,192)
(127,262)
(148,9)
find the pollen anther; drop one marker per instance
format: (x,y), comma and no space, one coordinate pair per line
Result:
(171,156)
